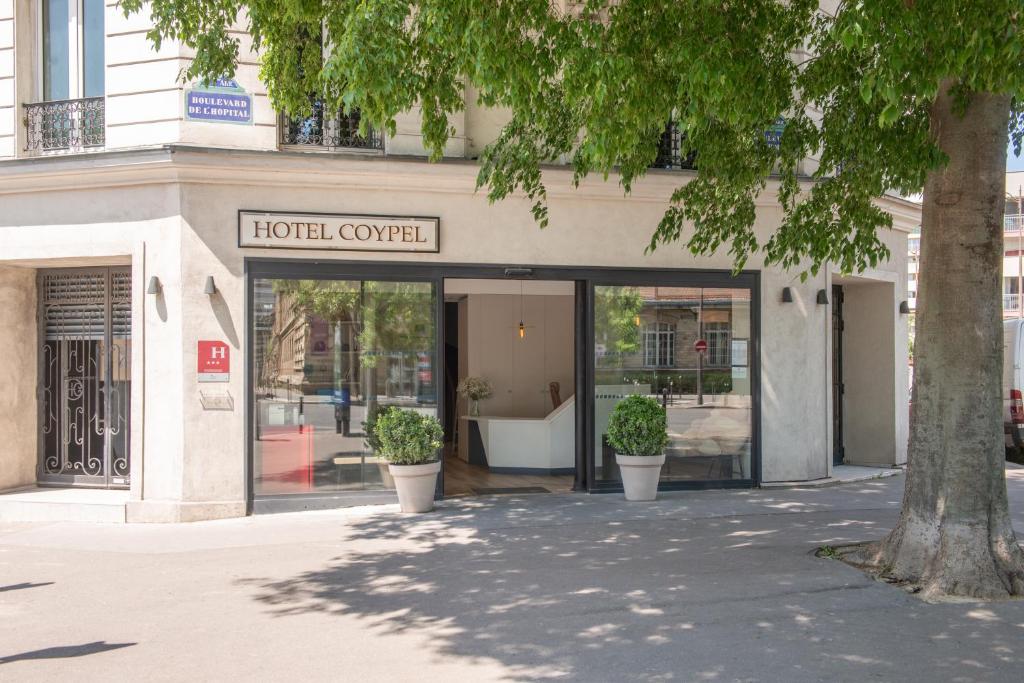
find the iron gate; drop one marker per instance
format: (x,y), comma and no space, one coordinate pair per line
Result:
(85,333)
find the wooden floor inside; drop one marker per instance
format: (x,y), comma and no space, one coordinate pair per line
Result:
(463,479)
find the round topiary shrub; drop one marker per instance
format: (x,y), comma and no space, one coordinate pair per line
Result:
(637,426)
(406,437)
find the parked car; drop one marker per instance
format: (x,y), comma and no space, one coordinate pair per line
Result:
(1013,385)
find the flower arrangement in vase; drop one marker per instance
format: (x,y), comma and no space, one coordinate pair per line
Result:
(475,389)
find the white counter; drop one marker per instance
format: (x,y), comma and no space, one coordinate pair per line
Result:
(521,444)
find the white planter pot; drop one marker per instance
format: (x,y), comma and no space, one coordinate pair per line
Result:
(640,474)
(415,485)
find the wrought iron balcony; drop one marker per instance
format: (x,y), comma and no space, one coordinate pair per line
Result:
(669,154)
(333,130)
(65,125)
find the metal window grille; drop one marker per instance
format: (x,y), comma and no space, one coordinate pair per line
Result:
(333,129)
(85,376)
(65,125)
(670,150)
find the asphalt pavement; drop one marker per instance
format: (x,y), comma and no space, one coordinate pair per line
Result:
(698,586)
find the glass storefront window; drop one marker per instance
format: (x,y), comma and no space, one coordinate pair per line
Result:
(328,355)
(644,343)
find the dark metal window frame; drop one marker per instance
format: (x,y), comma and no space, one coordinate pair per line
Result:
(585,279)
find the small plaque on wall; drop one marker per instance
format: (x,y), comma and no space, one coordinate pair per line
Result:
(216,400)
(213,361)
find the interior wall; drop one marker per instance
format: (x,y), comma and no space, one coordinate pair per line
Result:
(869,372)
(520,369)
(18,338)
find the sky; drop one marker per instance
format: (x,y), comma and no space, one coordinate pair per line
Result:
(1014,163)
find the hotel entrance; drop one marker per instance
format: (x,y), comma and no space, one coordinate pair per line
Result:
(509,381)
(555,348)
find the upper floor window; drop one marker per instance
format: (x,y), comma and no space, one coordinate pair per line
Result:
(72,49)
(660,345)
(325,127)
(69,112)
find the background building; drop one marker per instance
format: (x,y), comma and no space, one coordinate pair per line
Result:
(1013,246)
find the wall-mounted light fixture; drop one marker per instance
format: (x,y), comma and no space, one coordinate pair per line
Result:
(904,308)
(210,288)
(822,296)
(787,295)
(154,285)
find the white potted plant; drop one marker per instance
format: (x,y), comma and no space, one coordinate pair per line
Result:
(409,441)
(638,432)
(475,389)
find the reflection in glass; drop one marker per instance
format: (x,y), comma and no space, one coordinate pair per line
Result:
(644,343)
(92,48)
(56,77)
(328,355)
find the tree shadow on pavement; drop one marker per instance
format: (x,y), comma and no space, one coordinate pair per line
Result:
(593,588)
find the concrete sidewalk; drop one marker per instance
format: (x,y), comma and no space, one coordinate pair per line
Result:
(699,586)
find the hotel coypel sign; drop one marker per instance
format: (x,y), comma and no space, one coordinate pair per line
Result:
(338,232)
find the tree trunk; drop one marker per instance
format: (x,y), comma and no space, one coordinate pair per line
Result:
(954,536)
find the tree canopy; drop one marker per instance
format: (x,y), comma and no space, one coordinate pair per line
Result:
(595,84)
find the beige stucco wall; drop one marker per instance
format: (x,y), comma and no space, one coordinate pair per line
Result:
(173,214)
(520,369)
(18,377)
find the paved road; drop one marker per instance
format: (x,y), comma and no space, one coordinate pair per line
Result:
(702,586)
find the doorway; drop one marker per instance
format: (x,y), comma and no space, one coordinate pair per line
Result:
(838,387)
(518,336)
(85,376)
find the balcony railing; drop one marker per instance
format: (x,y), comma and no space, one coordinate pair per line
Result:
(335,130)
(669,150)
(65,125)
(1013,223)
(1011,302)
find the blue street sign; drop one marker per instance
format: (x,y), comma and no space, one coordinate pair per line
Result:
(218,106)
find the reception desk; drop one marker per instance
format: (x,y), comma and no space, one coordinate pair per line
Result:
(521,445)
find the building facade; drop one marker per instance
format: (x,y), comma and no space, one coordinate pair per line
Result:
(1013,246)
(206,303)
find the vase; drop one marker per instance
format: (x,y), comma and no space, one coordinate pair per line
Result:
(415,485)
(640,475)
(474,407)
